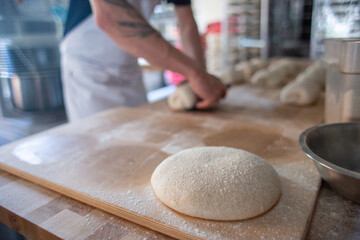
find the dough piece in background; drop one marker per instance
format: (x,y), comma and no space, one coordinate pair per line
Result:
(306,88)
(231,77)
(286,66)
(267,79)
(258,63)
(276,75)
(243,71)
(316,72)
(300,93)
(183,98)
(218,183)
(248,68)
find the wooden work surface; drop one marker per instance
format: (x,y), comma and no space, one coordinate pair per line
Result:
(43,214)
(282,117)
(107,160)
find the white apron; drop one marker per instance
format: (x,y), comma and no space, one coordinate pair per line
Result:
(96,73)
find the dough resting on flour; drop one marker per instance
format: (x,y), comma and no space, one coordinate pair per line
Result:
(183,98)
(306,88)
(300,93)
(217,183)
(276,75)
(243,71)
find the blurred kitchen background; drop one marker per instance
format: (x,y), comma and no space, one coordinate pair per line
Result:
(232,31)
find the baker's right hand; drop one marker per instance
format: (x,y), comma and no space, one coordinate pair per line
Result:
(208,88)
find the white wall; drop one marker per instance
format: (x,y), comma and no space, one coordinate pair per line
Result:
(207,11)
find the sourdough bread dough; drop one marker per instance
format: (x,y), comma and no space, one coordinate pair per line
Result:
(300,93)
(183,98)
(231,76)
(306,88)
(243,71)
(276,75)
(217,183)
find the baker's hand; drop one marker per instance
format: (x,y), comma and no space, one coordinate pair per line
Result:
(208,88)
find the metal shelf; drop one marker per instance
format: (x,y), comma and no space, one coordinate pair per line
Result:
(244,31)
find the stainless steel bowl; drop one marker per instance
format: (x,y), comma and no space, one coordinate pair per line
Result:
(335,149)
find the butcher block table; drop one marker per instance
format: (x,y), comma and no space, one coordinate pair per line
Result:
(40,213)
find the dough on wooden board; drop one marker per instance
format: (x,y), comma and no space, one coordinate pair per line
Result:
(217,183)
(250,67)
(231,76)
(183,98)
(243,71)
(306,88)
(300,93)
(276,75)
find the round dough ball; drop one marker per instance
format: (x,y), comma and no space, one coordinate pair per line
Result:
(217,183)
(183,98)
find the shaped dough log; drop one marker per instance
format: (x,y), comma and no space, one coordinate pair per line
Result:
(276,75)
(316,73)
(257,64)
(268,79)
(231,76)
(248,68)
(306,88)
(285,66)
(300,93)
(182,99)
(242,72)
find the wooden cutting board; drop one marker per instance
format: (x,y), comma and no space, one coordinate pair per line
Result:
(107,160)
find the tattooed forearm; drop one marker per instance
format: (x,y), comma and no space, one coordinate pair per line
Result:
(137,29)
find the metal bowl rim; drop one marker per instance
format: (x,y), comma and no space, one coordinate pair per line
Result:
(320,160)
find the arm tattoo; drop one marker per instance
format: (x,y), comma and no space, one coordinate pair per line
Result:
(137,28)
(130,11)
(143,29)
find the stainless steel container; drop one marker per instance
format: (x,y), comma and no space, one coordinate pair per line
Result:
(39,91)
(29,55)
(342,95)
(335,149)
(33,75)
(333,76)
(350,69)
